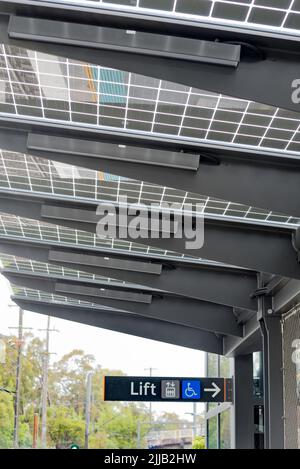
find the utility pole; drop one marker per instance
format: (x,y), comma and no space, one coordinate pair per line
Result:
(194,415)
(35,430)
(20,329)
(88,408)
(150,369)
(45,383)
(194,420)
(138,434)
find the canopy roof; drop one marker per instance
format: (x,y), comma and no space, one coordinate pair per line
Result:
(226,145)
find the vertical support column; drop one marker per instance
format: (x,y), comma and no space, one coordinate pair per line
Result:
(243,402)
(270,325)
(265,383)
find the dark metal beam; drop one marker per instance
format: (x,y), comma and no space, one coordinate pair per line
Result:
(228,286)
(234,175)
(271,330)
(187,312)
(273,68)
(243,402)
(254,247)
(251,341)
(270,325)
(286,297)
(127,323)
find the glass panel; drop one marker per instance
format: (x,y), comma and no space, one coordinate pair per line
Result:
(49,87)
(225,368)
(225,430)
(278,15)
(213,433)
(212,371)
(212,365)
(258,374)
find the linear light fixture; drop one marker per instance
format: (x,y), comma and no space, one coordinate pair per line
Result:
(105,261)
(93,149)
(63,287)
(96,37)
(88,216)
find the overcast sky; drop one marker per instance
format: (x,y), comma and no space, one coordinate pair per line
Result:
(111,349)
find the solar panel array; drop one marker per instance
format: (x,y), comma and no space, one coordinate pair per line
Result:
(278,14)
(38,295)
(37,175)
(52,88)
(19,264)
(44,87)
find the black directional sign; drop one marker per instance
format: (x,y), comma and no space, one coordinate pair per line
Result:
(135,388)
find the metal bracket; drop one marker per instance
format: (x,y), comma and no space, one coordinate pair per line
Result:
(249,51)
(263,291)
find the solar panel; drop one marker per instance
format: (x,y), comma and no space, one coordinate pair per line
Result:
(51,88)
(19,264)
(31,294)
(16,227)
(278,14)
(54,89)
(37,175)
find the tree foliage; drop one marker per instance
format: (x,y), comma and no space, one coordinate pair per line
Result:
(113,425)
(199,442)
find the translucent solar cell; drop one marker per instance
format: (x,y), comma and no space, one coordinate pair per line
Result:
(42,86)
(279,15)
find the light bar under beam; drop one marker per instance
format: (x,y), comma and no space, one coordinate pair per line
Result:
(107,293)
(107,262)
(54,211)
(118,152)
(149,44)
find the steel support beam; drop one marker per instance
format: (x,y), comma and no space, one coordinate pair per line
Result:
(127,323)
(186,312)
(250,342)
(261,248)
(232,175)
(275,69)
(286,297)
(227,286)
(243,402)
(270,325)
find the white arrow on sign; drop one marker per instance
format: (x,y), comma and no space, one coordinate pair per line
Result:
(215,389)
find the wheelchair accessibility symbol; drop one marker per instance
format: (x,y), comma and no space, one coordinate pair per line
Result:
(191,389)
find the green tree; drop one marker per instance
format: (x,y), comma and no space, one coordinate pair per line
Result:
(67,379)
(113,424)
(32,349)
(199,443)
(65,427)
(6,420)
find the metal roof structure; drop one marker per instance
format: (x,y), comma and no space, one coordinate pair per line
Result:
(162,102)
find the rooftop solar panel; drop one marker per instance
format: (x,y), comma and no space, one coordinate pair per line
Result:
(37,175)
(278,15)
(19,264)
(32,294)
(51,88)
